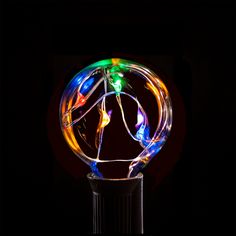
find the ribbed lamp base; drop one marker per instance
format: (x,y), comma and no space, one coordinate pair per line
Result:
(117,204)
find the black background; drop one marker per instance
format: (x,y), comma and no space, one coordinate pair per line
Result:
(37,194)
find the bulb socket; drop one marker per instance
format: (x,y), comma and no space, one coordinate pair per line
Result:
(117,204)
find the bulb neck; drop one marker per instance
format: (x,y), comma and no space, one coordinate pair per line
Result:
(117,204)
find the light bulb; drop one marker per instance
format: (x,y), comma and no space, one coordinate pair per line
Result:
(91,90)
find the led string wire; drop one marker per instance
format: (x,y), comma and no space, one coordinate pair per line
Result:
(119,102)
(164,124)
(102,124)
(101,99)
(118,98)
(115,78)
(80,96)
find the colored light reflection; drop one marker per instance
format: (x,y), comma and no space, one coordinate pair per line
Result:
(87,86)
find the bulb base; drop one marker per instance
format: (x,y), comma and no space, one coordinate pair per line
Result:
(117,204)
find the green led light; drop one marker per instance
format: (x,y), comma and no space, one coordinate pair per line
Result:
(117,86)
(115,69)
(116,77)
(118,81)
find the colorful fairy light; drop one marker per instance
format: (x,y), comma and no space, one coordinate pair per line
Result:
(105,119)
(140,119)
(111,76)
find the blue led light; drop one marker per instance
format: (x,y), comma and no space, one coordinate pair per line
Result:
(143,134)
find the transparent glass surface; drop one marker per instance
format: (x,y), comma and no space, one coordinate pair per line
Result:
(116,111)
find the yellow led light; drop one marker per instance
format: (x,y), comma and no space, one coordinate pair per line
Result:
(105,119)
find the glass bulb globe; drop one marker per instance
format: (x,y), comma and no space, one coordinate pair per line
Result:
(91,91)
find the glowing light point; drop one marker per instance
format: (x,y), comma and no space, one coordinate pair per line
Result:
(115,69)
(105,119)
(80,101)
(117,86)
(140,119)
(109,113)
(115,61)
(140,132)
